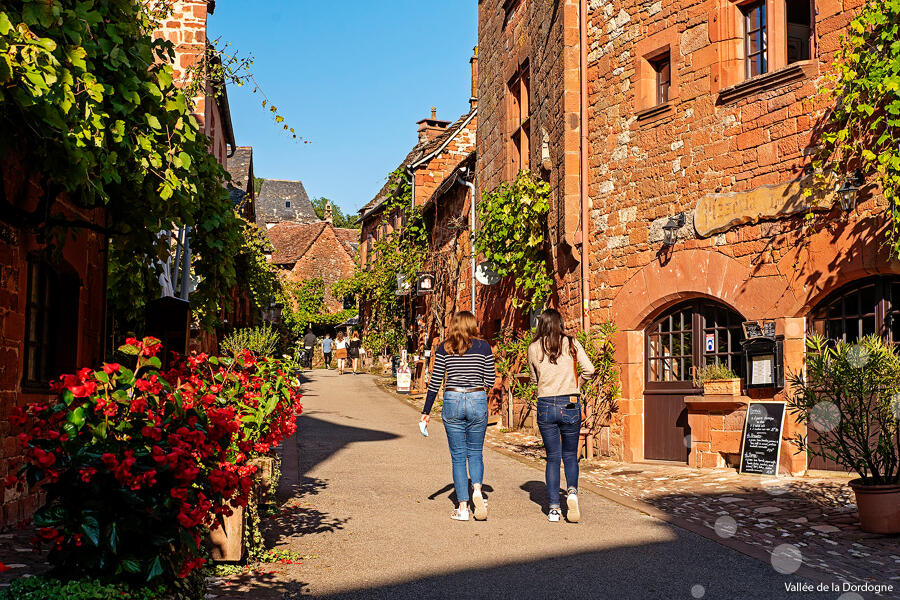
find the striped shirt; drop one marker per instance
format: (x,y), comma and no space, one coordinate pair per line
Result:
(474,369)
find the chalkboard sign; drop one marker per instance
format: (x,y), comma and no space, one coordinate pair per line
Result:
(762,438)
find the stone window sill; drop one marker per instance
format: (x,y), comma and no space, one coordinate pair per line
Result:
(654,112)
(767,81)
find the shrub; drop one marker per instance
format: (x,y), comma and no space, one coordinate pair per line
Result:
(851,397)
(41,588)
(261,341)
(600,394)
(712,372)
(136,463)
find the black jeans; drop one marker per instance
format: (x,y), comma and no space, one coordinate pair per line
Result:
(327,359)
(308,358)
(560,427)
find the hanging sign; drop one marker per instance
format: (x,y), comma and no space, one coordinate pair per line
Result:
(761,443)
(710,342)
(485,274)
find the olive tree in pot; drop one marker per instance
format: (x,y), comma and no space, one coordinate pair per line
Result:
(851,398)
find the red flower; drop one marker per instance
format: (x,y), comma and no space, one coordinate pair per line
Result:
(11,482)
(111,368)
(3,568)
(133,342)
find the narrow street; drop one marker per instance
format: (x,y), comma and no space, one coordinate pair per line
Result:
(372,499)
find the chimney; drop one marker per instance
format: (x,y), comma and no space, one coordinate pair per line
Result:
(431,128)
(473,101)
(329,213)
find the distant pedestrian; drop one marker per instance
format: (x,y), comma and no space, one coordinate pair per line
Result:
(464,365)
(326,350)
(353,350)
(553,357)
(340,347)
(309,345)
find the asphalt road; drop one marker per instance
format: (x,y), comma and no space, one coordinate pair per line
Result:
(373,501)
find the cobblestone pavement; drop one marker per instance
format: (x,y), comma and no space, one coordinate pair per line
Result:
(18,557)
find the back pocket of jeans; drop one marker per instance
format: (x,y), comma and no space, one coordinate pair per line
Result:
(570,415)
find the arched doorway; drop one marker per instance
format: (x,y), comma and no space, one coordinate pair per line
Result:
(676,345)
(855,310)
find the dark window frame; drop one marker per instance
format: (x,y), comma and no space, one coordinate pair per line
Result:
(806,45)
(832,314)
(662,67)
(519,103)
(755,22)
(705,316)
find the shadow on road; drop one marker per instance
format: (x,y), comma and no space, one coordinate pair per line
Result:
(454,501)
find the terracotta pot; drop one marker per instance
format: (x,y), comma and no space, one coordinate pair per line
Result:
(879,506)
(722,387)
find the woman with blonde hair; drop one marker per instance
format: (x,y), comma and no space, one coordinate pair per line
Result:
(464,365)
(340,348)
(553,359)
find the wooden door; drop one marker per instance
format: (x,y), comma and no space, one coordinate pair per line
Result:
(675,346)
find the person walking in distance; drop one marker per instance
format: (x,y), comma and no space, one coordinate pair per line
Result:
(553,359)
(464,365)
(353,350)
(309,346)
(326,350)
(340,348)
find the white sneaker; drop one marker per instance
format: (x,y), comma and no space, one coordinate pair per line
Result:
(553,517)
(574,514)
(460,515)
(480,506)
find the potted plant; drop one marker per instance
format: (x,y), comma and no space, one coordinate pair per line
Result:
(851,397)
(717,379)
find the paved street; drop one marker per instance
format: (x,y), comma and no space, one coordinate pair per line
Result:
(370,507)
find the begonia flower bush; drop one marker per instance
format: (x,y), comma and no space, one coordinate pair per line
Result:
(136,463)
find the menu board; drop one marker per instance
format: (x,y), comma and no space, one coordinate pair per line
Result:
(761,444)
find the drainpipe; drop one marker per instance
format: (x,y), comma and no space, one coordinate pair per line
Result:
(471,187)
(585,209)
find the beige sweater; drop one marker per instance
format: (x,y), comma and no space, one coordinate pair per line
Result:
(558,379)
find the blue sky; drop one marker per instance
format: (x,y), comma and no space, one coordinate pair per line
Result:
(352,77)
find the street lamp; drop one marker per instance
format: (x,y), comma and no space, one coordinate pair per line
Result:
(670,229)
(849,191)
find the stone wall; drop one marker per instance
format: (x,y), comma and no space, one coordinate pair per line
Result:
(545,34)
(729,153)
(326,259)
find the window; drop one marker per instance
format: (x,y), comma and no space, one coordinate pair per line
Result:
(691,336)
(859,309)
(799,30)
(756,34)
(509,9)
(287,204)
(51,325)
(519,92)
(661,66)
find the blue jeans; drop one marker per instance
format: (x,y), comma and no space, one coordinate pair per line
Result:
(465,421)
(560,427)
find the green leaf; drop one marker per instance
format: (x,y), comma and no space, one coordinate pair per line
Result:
(153,122)
(112,538)
(76,417)
(91,529)
(131,565)
(5,25)
(155,570)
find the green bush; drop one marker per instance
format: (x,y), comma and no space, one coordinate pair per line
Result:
(712,372)
(41,588)
(262,341)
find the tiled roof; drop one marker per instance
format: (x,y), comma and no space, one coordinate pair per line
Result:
(292,240)
(281,200)
(348,237)
(239,166)
(420,150)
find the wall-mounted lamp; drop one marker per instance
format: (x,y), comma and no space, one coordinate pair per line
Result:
(670,229)
(849,191)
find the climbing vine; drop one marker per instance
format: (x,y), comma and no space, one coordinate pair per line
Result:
(513,236)
(862,131)
(304,305)
(401,252)
(89,105)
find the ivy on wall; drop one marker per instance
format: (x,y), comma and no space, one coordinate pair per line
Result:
(88,101)
(862,131)
(304,305)
(513,236)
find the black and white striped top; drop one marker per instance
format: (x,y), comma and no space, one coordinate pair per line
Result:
(474,369)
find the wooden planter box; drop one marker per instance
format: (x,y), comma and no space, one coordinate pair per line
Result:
(722,387)
(262,479)
(227,540)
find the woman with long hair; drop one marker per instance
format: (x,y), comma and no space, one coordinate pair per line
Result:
(464,365)
(353,350)
(340,348)
(553,359)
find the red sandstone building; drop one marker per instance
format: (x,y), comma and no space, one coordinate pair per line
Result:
(699,115)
